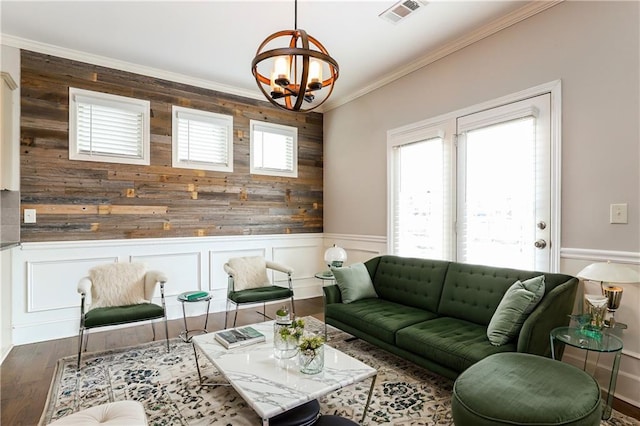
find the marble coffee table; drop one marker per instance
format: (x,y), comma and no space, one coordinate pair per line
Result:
(272,386)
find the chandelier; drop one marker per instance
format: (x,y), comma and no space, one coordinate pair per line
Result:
(292,76)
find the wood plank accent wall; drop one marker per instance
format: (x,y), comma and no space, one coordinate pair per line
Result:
(82,200)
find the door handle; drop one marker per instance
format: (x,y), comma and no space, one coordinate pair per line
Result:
(542,225)
(540,244)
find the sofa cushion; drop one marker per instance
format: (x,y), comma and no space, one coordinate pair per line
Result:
(451,342)
(409,281)
(354,283)
(473,292)
(377,317)
(516,304)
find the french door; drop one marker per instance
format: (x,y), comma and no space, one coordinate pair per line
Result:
(504,186)
(476,187)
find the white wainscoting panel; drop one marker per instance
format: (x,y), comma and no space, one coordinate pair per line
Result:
(45,304)
(571,262)
(306,261)
(49,284)
(359,248)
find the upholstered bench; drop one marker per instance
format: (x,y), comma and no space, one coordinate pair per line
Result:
(524,389)
(130,413)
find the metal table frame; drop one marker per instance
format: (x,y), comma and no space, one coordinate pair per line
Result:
(607,343)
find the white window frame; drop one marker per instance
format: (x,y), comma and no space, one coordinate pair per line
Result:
(220,120)
(440,128)
(137,106)
(424,129)
(279,129)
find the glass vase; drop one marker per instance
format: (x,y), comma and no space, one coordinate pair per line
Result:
(311,361)
(283,346)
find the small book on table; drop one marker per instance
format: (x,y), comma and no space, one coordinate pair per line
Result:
(241,336)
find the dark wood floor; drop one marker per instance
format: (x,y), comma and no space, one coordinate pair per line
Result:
(27,371)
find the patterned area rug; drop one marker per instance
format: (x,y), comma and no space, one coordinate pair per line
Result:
(167,384)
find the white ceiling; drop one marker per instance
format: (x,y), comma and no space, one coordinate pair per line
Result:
(212,43)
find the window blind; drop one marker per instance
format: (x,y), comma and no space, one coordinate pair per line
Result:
(421,209)
(202,139)
(108,128)
(273,149)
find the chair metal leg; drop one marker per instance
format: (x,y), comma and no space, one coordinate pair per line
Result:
(235,316)
(226,313)
(166,331)
(293,307)
(80,336)
(153,328)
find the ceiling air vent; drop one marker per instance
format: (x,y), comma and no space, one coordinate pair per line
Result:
(401,10)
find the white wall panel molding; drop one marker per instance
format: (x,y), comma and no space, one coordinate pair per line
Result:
(359,248)
(45,303)
(358,238)
(572,261)
(627,383)
(48,285)
(593,255)
(253,240)
(183,270)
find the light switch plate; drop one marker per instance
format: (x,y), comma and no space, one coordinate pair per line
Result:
(618,213)
(29,215)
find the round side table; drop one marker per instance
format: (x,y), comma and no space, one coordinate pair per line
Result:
(192,297)
(589,342)
(325,276)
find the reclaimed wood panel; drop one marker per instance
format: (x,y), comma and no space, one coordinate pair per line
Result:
(83,200)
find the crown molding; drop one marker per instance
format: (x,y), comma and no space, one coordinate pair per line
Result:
(76,55)
(525,12)
(530,9)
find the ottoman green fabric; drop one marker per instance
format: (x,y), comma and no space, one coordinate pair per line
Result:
(524,389)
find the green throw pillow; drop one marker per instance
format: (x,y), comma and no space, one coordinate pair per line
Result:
(514,308)
(354,283)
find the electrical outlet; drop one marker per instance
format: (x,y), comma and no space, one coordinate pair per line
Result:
(618,213)
(29,215)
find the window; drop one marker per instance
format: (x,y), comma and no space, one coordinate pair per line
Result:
(480,185)
(108,128)
(202,140)
(274,149)
(421,208)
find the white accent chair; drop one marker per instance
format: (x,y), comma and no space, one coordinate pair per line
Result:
(119,293)
(248,283)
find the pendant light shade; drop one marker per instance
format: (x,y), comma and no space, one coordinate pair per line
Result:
(293,70)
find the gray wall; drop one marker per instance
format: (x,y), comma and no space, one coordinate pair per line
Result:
(593,47)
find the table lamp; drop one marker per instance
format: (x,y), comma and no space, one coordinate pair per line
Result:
(335,257)
(608,274)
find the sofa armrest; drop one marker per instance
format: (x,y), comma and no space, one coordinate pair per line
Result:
(553,311)
(332,294)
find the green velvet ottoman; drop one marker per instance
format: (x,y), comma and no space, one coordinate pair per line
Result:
(522,389)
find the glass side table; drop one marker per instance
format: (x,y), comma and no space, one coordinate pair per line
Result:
(325,276)
(192,297)
(607,342)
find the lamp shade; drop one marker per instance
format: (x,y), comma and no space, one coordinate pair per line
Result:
(335,256)
(610,273)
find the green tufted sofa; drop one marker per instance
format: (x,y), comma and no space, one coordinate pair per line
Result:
(435,313)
